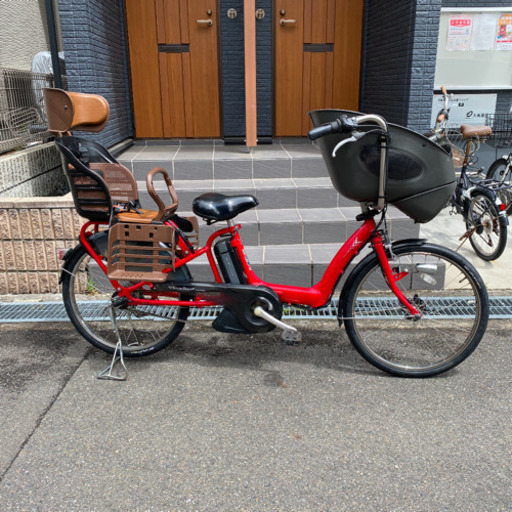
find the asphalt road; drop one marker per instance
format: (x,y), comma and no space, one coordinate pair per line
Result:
(230,423)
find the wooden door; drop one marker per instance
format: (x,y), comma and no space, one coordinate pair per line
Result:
(317,59)
(174,67)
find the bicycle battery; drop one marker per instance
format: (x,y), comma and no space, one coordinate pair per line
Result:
(229,263)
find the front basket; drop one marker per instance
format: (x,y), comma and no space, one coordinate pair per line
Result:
(420,177)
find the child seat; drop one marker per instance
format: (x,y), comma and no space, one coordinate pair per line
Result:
(105,191)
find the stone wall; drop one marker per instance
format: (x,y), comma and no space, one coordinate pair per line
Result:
(32,172)
(32,231)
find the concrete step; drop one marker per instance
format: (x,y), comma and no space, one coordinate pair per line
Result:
(215,161)
(272,193)
(261,227)
(295,265)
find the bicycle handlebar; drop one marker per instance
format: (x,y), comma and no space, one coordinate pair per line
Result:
(346,124)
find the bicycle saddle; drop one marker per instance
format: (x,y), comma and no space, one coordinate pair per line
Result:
(214,207)
(469,131)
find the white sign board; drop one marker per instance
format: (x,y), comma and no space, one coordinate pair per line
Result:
(465,108)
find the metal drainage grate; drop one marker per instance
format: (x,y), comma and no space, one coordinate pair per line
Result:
(20,312)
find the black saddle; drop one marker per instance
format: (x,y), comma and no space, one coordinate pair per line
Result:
(214,207)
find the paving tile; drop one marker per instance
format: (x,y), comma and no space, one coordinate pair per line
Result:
(193,169)
(255,259)
(283,226)
(234,187)
(323,225)
(308,168)
(200,270)
(404,228)
(232,169)
(345,202)
(289,265)
(350,214)
(140,168)
(301,149)
(232,152)
(272,168)
(315,193)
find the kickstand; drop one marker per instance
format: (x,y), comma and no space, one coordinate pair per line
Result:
(107,373)
(465,237)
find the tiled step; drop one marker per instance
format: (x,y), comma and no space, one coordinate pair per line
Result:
(260,227)
(271,193)
(215,161)
(295,265)
(301,221)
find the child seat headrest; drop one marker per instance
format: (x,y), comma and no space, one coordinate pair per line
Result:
(75,110)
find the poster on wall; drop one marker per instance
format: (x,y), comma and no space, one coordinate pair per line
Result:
(504,37)
(484,31)
(459,33)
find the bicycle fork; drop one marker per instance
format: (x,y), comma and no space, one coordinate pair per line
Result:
(391,279)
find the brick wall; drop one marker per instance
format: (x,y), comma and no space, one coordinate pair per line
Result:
(94,42)
(423,64)
(31,232)
(389,35)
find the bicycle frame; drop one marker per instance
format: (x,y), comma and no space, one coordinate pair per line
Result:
(316,296)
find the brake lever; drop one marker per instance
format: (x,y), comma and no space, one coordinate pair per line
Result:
(355,136)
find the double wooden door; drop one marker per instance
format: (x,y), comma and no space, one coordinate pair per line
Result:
(317,59)
(174,67)
(173,46)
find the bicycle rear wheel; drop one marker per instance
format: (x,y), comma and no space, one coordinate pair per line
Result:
(88,296)
(444,287)
(500,171)
(488,231)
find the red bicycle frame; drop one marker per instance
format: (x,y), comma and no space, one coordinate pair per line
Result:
(315,296)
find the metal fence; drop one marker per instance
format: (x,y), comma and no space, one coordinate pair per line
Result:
(22,111)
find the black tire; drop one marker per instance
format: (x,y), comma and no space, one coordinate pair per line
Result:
(498,171)
(87,295)
(442,284)
(488,230)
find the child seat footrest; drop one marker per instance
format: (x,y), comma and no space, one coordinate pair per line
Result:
(140,252)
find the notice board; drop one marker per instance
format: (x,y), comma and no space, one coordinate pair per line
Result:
(474,49)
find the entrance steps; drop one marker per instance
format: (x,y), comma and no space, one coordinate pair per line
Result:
(301,220)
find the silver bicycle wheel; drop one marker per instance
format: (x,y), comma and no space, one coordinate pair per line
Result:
(487,232)
(445,288)
(501,171)
(89,297)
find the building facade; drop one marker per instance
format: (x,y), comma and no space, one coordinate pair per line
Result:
(175,68)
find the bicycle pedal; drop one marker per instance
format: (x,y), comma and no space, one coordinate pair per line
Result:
(291,337)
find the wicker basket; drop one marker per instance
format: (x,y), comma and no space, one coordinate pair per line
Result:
(140,252)
(420,176)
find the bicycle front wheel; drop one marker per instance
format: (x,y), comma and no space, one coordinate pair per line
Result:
(446,289)
(502,172)
(487,231)
(88,296)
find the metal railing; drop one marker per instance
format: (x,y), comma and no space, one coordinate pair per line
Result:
(22,111)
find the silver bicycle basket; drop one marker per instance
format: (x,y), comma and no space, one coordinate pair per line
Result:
(420,175)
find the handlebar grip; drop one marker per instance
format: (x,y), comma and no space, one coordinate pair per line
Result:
(324,129)
(443,90)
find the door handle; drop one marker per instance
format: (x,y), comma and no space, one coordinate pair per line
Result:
(287,22)
(209,23)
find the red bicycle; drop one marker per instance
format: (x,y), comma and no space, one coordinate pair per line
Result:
(409,307)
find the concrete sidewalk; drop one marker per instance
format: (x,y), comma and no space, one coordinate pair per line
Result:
(229,423)
(446,230)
